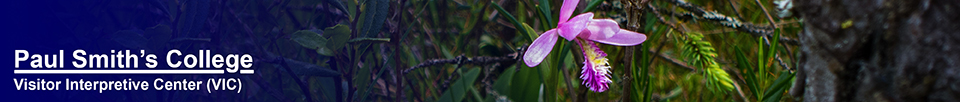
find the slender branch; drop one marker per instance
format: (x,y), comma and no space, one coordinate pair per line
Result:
(628,63)
(376,40)
(791,41)
(446,83)
(416,92)
(749,28)
(700,13)
(785,67)
(674,61)
(569,81)
(246,28)
(303,86)
(740,91)
(772,22)
(293,18)
(735,10)
(657,13)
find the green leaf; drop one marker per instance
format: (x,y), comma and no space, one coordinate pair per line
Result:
(775,91)
(352,9)
(362,78)
(512,19)
(592,5)
(744,63)
(526,85)
(545,20)
(312,40)
(673,94)
(365,76)
(308,39)
(522,17)
(459,89)
(338,36)
(325,51)
(374,13)
(328,90)
(309,69)
(545,13)
(502,85)
(369,40)
(530,33)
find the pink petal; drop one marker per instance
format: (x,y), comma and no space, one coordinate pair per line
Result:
(567,9)
(572,28)
(624,38)
(601,29)
(540,48)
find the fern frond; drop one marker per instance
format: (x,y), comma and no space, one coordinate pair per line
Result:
(700,53)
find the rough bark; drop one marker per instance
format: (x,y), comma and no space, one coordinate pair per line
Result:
(893,50)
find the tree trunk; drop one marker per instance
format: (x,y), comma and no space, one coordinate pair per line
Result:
(879,50)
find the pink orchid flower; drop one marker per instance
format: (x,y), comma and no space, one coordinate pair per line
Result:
(595,72)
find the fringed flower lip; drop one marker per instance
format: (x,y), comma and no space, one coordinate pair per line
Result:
(587,30)
(596,70)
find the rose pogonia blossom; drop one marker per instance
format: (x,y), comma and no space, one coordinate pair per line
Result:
(586,31)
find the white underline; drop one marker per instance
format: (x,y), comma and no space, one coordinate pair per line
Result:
(246,71)
(191,71)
